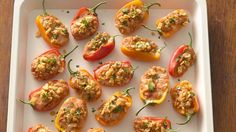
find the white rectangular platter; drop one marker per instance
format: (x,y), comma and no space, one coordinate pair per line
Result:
(25,47)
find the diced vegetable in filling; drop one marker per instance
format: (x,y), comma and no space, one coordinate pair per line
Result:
(150,126)
(55,29)
(184,98)
(154,83)
(116,74)
(72,116)
(113,108)
(85,25)
(185,61)
(176,18)
(46,66)
(99,40)
(141,44)
(51,93)
(87,87)
(130,18)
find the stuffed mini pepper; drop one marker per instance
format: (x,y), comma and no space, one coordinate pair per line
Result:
(49,64)
(84,84)
(131,16)
(85,23)
(151,124)
(140,48)
(170,24)
(182,59)
(95,130)
(72,115)
(52,29)
(99,47)
(112,111)
(48,96)
(154,86)
(114,73)
(184,100)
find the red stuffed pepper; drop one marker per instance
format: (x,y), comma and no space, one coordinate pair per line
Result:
(183,58)
(39,128)
(114,73)
(85,23)
(99,47)
(151,124)
(48,96)
(49,64)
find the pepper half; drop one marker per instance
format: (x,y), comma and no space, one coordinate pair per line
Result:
(85,23)
(49,64)
(132,15)
(182,58)
(152,124)
(52,29)
(72,115)
(99,47)
(140,48)
(84,84)
(95,130)
(48,96)
(112,111)
(171,23)
(184,100)
(114,73)
(154,86)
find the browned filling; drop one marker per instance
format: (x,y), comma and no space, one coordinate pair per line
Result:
(129,19)
(55,29)
(154,83)
(141,44)
(39,128)
(46,66)
(145,125)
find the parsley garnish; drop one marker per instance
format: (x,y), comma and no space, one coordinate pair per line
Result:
(118,109)
(151,86)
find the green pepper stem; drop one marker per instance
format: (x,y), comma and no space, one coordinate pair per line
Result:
(154,30)
(22,101)
(126,91)
(135,68)
(65,55)
(96,6)
(188,118)
(114,36)
(145,105)
(152,4)
(191,39)
(163,47)
(44,9)
(69,68)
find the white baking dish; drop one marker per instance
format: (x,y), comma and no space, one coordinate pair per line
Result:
(25,47)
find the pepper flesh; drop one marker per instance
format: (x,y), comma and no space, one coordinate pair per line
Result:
(154,86)
(182,58)
(95,130)
(39,128)
(48,96)
(99,47)
(151,124)
(134,13)
(184,100)
(72,115)
(112,111)
(85,23)
(140,48)
(49,64)
(84,84)
(52,30)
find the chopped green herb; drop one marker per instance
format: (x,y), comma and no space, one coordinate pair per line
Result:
(118,109)
(125,11)
(172,20)
(145,124)
(78,112)
(103,23)
(93,110)
(54,36)
(65,31)
(85,22)
(45,95)
(52,120)
(151,86)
